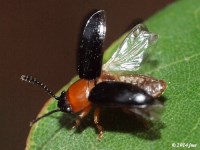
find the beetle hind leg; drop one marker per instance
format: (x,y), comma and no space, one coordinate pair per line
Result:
(96,122)
(82,115)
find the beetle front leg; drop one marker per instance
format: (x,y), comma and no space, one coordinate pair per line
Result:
(81,116)
(96,122)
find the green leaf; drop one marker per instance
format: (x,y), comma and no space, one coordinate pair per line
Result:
(175,59)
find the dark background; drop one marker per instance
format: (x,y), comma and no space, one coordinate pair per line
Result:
(40,38)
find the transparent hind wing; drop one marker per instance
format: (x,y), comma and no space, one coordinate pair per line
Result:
(149,112)
(129,54)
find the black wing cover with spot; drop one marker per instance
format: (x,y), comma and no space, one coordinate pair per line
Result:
(119,94)
(90,55)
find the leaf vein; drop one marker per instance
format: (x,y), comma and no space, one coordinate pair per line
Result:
(192,130)
(174,63)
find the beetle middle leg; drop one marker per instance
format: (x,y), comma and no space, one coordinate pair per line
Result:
(81,116)
(96,122)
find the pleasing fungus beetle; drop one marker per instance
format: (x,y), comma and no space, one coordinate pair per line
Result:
(106,86)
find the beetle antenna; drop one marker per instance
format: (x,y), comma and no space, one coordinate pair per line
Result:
(33,80)
(45,115)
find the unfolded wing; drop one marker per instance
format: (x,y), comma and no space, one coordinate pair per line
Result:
(129,55)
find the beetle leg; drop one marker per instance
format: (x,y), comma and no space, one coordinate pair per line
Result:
(96,122)
(81,116)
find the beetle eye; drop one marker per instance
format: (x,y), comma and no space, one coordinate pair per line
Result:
(68,109)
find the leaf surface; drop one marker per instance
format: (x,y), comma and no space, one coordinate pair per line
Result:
(175,59)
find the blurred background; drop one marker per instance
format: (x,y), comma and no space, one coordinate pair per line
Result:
(40,38)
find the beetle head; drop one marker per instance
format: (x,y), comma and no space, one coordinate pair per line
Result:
(63,103)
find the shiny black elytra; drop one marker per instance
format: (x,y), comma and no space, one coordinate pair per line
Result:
(90,54)
(119,94)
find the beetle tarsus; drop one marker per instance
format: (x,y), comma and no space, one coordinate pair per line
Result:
(77,123)
(101,131)
(96,122)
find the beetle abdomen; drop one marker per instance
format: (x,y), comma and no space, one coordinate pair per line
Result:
(119,94)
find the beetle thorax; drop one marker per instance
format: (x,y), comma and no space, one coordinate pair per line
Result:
(78,93)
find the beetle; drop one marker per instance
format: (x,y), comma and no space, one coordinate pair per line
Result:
(105,85)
